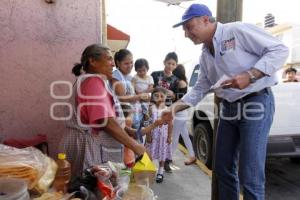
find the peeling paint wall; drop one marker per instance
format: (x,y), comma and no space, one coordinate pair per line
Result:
(39,43)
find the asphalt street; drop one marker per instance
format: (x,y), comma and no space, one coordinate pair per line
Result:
(185,183)
(194,182)
(282,179)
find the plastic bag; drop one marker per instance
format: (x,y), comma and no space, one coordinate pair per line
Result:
(84,185)
(129,157)
(28,164)
(103,174)
(111,177)
(48,177)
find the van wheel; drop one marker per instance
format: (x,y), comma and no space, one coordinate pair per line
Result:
(202,143)
(295,160)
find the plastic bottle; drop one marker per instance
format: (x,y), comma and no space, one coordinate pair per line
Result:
(63,173)
(129,157)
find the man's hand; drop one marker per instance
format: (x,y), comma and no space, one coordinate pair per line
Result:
(239,81)
(243,79)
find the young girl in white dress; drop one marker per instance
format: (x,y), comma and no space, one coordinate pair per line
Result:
(157,142)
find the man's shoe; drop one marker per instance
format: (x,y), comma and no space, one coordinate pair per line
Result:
(167,167)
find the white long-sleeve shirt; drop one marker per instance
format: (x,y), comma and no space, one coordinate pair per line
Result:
(238,48)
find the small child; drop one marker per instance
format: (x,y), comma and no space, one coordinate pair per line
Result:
(142,82)
(291,75)
(129,156)
(161,137)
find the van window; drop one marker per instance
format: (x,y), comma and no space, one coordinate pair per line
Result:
(194,75)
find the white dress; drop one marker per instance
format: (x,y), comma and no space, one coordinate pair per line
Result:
(158,148)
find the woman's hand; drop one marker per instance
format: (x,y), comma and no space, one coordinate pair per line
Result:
(169,139)
(119,134)
(167,116)
(149,137)
(171,94)
(144,97)
(159,122)
(139,149)
(130,131)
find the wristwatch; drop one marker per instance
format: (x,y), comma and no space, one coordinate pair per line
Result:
(252,77)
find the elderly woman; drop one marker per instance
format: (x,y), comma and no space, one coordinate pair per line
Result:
(96,129)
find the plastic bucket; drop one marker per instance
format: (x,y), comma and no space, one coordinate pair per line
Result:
(13,189)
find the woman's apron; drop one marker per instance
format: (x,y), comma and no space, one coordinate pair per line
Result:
(85,149)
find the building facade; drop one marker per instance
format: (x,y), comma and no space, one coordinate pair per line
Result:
(39,43)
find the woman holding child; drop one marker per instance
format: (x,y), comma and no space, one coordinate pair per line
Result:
(122,85)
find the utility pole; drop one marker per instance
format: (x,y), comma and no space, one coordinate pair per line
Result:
(227,11)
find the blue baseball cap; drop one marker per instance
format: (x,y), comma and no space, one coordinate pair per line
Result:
(195,10)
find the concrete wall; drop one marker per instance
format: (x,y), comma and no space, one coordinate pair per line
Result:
(39,43)
(296,44)
(291,38)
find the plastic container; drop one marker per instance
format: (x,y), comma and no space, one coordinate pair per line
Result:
(13,189)
(63,173)
(123,181)
(135,192)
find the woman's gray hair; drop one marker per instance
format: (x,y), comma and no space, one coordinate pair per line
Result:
(94,51)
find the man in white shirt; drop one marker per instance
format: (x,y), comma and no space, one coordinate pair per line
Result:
(247,57)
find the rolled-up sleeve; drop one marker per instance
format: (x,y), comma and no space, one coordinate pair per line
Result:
(200,89)
(272,52)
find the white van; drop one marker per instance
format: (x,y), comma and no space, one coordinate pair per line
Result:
(284,137)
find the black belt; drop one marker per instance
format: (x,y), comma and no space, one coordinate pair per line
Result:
(253,94)
(258,93)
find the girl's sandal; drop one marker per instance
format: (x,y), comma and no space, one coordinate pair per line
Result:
(159,178)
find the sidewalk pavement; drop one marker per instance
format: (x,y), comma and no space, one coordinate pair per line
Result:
(185,183)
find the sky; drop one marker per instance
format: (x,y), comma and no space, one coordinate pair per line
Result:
(149,24)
